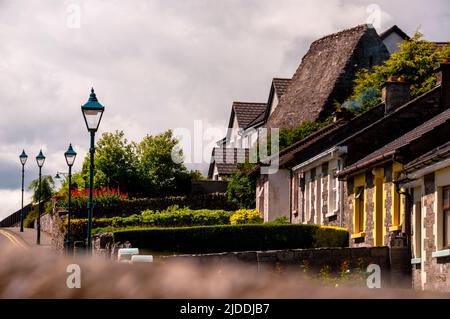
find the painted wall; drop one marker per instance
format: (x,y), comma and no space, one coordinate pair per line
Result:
(272,195)
(314,204)
(381,200)
(392,42)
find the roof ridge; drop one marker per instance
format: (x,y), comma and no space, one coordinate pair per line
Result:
(250,103)
(392,113)
(363,27)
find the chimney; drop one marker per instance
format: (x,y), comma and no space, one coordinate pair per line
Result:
(341,114)
(394,94)
(443,78)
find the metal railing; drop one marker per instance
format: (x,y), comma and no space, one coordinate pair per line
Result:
(14,218)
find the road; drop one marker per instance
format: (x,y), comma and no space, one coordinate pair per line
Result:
(25,240)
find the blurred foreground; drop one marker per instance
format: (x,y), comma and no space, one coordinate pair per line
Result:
(42,274)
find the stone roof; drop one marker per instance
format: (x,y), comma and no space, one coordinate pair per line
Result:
(246,113)
(326,75)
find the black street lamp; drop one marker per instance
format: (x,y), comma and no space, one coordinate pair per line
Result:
(92,113)
(70,156)
(23,159)
(40,159)
(58,175)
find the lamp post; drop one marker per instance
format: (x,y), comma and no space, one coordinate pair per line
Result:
(92,113)
(70,156)
(40,159)
(23,159)
(58,175)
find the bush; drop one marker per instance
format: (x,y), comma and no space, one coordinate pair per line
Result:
(283,220)
(28,222)
(172,217)
(246,216)
(123,207)
(241,190)
(215,239)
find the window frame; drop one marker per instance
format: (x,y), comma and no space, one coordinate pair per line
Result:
(445,210)
(333,203)
(360,203)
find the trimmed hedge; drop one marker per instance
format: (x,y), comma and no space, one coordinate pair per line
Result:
(175,217)
(128,207)
(215,239)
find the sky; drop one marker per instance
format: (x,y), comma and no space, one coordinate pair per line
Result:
(158,65)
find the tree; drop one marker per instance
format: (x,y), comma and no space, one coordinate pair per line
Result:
(47,187)
(415,62)
(241,190)
(78,182)
(160,166)
(114,163)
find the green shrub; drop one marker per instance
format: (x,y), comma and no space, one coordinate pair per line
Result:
(241,190)
(28,222)
(172,217)
(246,216)
(127,207)
(283,220)
(214,239)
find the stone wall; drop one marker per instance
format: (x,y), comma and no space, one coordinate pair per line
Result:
(395,270)
(53,225)
(433,273)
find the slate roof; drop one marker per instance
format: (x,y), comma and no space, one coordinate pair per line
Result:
(389,149)
(326,75)
(227,160)
(327,137)
(280,86)
(436,155)
(246,113)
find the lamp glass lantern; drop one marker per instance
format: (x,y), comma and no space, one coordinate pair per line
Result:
(70,155)
(40,159)
(92,112)
(23,157)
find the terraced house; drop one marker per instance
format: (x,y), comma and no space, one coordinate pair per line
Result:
(426,183)
(375,201)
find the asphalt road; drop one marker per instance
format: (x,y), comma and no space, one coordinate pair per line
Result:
(23,240)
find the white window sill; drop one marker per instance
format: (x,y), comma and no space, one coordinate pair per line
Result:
(441,253)
(416,261)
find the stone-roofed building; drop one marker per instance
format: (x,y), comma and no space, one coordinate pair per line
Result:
(325,75)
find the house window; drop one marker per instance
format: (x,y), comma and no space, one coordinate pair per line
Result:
(446,211)
(301,197)
(312,195)
(333,192)
(417,229)
(359,210)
